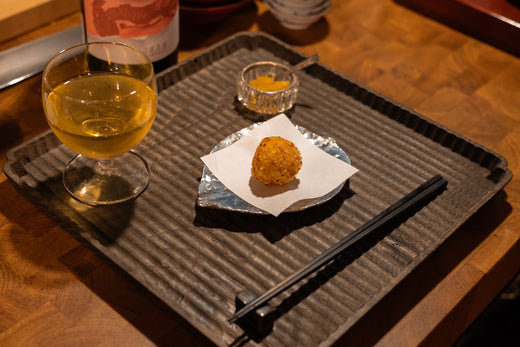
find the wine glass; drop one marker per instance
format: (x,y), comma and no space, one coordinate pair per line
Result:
(100,100)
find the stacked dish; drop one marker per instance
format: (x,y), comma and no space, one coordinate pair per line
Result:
(298,14)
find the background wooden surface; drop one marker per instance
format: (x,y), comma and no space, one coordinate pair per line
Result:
(54,291)
(496,22)
(18,17)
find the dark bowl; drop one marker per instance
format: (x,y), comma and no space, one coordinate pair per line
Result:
(206,3)
(210,13)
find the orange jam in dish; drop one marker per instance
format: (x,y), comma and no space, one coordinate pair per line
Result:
(268,84)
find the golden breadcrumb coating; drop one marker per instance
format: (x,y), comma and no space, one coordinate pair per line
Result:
(276,161)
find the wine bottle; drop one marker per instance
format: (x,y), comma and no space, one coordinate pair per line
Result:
(151,26)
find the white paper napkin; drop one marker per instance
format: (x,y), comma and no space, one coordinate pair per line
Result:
(320,172)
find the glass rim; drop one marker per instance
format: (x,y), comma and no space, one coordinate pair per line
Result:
(146,81)
(292,83)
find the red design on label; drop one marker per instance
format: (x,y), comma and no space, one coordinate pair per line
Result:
(128,19)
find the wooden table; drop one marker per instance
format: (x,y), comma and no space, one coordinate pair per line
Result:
(53,290)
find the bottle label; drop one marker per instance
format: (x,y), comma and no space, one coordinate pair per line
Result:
(149,25)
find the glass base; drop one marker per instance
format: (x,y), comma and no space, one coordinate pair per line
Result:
(105,182)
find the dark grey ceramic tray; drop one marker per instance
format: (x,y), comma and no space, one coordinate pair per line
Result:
(196,259)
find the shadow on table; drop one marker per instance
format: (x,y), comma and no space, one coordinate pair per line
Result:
(316,32)
(272,228)
(497,325)
(402,298)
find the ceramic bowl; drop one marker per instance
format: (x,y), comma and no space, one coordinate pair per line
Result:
(298,14)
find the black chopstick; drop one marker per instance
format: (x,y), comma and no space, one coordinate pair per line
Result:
(418,195)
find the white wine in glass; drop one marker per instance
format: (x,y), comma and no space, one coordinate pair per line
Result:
(100,100)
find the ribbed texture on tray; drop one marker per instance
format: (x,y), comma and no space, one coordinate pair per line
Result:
(196,259)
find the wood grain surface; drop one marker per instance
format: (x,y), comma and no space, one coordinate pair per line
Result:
(54,291)
(19,17)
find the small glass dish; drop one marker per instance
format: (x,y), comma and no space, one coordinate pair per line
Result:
(263,101)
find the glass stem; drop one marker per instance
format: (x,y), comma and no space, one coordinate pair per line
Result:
(105,167)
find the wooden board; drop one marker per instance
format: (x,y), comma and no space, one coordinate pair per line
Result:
(18,17)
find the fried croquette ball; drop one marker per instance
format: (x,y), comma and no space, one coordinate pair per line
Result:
(276,161)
